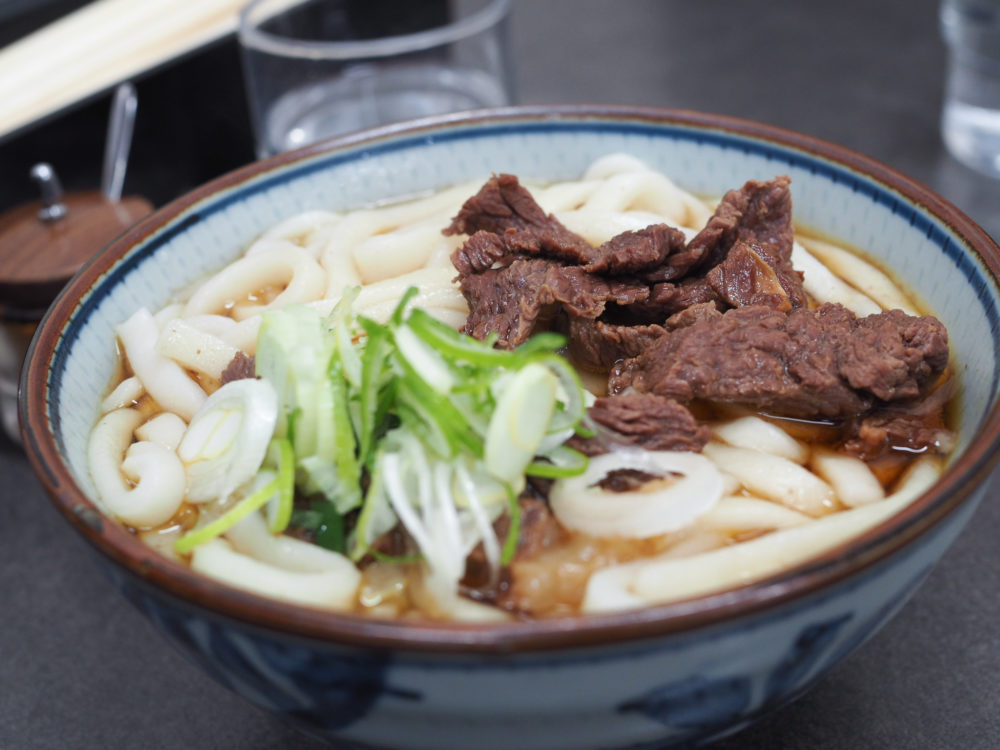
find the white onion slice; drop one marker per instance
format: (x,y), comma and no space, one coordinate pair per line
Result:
(580,505)
(227,439)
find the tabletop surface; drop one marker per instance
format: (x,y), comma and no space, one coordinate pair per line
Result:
(81,669)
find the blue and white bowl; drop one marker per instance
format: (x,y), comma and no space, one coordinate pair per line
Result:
(678,673)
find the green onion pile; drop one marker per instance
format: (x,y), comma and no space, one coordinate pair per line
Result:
(408,422)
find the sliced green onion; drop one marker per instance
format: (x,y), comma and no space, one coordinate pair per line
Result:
(396,319)
(563,462)
(520,421)
(230,518)
(513,530)
(457,345)
(437,410)
(374,361)
(346,351)
(546,341)
(570,389)
(375,517)
(446,428)
(345,455)
(423,361)
(279,511)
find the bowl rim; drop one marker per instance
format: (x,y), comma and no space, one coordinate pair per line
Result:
(854,557)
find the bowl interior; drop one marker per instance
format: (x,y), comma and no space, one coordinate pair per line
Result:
(925,242)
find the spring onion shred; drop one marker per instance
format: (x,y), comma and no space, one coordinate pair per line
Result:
(408,422)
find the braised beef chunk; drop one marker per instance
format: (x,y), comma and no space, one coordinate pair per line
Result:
(667,299)
(915,425)
(479,253)
(759,212)
(893,355)
(630,252)
(538,531)
(595,345)
(510,300)
(649,307)
(697,313)
(504,207)
(643,420)
(882,432)
(744,278)
(625,480)
(501,204)
(484,249)
(241,367)
(805,363)
(745,250)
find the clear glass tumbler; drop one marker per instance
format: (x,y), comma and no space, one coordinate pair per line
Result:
(323,67)
(970,122)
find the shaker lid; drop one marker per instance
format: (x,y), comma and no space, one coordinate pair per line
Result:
(44,243)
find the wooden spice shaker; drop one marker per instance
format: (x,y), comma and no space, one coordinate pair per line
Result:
(42,245)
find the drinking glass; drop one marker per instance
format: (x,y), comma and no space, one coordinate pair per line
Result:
(323,67)
(970,121)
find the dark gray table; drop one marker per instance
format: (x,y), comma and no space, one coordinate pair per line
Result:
(79,669)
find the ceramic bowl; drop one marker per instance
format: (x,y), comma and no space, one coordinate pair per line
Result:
(680,673)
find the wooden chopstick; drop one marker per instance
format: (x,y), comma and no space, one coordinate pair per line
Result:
(98,46)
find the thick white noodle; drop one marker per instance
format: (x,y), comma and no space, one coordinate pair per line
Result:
(850,477)
(165,429)
(640,191)
(194,349)
(140,483)
(328,589)
(774,478)
(437,294)
(761,435)
(384,256)
(338,257)
(231,288)
(823,286)
(244,334)
(563,196)
(162,378)
(861,275)
(655,581)
(168,313)
(216,325)
(270,245)
(251,537)
(741,513)
(607,167)
(309,230)
(127,392)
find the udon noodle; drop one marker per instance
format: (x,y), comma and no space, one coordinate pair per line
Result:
(782,497)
